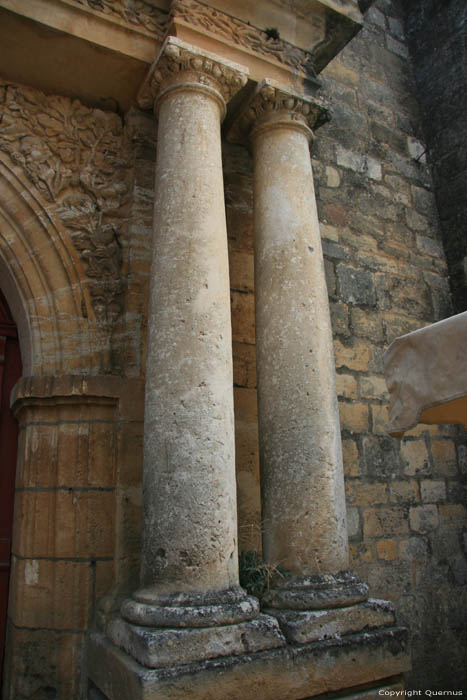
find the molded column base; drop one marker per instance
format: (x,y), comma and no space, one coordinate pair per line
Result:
(374,659)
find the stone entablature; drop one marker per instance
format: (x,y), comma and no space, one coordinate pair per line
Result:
(132,32)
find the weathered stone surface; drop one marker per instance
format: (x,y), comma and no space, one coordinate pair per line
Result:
(312,626)
(189,431)
(192,611)
(154,648)
(303,508)
(327,666)
(316,592)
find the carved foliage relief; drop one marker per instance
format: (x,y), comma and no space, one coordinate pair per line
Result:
(77,158)
(242,34)
(136,12)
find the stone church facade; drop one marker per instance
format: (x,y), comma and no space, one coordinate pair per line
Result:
(215,218)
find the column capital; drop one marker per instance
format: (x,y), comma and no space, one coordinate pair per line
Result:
(183,66)
(273,105)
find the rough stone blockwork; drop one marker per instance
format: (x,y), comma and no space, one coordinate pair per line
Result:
(386,276)
(437,39)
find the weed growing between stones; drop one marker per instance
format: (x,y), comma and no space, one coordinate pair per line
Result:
(256,575)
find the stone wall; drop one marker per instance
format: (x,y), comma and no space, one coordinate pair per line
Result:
(387,275)
(437,34)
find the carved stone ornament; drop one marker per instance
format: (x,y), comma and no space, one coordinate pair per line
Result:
(76,158)
(234,31)
(135,12)
(179,62)
(270,102)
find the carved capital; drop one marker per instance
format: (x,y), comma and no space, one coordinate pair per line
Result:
(180,65)
(270,105)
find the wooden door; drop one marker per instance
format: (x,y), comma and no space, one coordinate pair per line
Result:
(10,372)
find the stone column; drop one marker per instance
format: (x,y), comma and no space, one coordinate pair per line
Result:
(304,517)
(189,570)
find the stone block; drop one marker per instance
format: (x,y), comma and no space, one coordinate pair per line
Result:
(65,523)
(51,594)
(331,249)
(43,663)
(387,550)
(325,666)
(380,455)
(380,418)
(340,319)
(364,494)
(346,386)
(332,177)
(396,46)
(243,317)
(356,286)
(353,522)
(397,324)
(367,324)
(302,627)
(244,362)
(413,549)
(414,454)
(372,387)
(354,416)
(404,491)
(381,522)
(423,519)
(330,233)
(354,356)
(350,458)
(430,246)
(452,517)
(159,647)
(241,268)
(360,553)
(359,163)
(330,277)
(432,491)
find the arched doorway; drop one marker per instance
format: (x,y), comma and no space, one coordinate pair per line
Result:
(10,372)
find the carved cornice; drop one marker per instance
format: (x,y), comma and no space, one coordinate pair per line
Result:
(135,12)
(271,103)
(180,63)
(242,34)
(77,159)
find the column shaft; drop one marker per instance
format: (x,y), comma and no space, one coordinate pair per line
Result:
(189,510)
(302,479)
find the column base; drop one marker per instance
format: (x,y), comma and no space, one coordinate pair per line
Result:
(157,609)
(374,659)
(317,592)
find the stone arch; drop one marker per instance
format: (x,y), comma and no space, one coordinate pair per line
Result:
(43,280)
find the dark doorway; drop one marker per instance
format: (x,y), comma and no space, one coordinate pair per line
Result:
(10,372)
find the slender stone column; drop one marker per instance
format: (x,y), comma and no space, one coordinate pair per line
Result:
(189,570)
(300,446)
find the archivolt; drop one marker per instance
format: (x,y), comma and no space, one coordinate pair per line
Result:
(44,283)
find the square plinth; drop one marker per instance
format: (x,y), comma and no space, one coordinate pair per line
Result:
(292,672)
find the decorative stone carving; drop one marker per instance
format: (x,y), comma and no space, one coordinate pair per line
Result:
(223,77)
(196,14)
(270,98)
(132,11)
(77,159)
